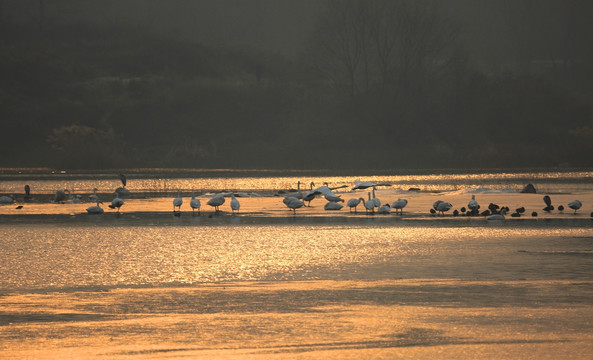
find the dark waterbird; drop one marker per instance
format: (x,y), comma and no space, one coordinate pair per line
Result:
(27,192)
(549,207)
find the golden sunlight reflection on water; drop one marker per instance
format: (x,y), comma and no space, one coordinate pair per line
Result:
(64,256)
(146,183)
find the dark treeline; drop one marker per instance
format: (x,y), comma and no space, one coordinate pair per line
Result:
(372,84)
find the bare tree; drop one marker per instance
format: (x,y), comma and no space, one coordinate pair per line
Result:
(380,45)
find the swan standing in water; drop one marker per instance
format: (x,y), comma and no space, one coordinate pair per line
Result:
(575,205)
(441,206)
(294,203)
(353,203)
(473,205)
(216,201)
(235,205)
(308,197)
(177,202)
(376,199)
(369,205)
(95,209)
(399,204)
(122,190)
(195,203)
(117,202)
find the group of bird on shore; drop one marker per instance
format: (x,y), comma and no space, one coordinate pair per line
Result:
(298,199)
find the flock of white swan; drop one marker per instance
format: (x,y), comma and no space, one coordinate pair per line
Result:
(298,199)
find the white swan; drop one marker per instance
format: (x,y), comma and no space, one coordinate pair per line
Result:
(308,197)
(95,209)
(216,201)
(361,185)
(384,209)
(235,205)
(376,199)
(473,205)
(331,197)
(333,206)
(369,205)
(294,203)
(177,202)
(441,206)
(353,203)
(298,194)
(117,202)
(575,205)
(94,197)
(195,203)
(399,204)
(499,216)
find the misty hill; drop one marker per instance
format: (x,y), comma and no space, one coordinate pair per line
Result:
(81,92)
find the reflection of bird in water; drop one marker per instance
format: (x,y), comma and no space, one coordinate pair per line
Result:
(195,203)
(332,205)
(353,203)
(235,205)
(95,209)
(216,201)
(575,205)
(399,204)
(117,202)
(177,202)
(60,196)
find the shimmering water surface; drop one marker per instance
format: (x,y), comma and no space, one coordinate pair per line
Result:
(269,284)
(161,181)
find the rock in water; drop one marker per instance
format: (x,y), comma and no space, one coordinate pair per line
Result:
(529,189)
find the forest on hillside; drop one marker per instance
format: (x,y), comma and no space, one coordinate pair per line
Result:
(377,84)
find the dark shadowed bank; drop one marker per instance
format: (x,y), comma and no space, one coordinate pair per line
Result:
(346,84)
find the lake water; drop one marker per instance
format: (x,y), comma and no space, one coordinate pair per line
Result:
(153,285)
